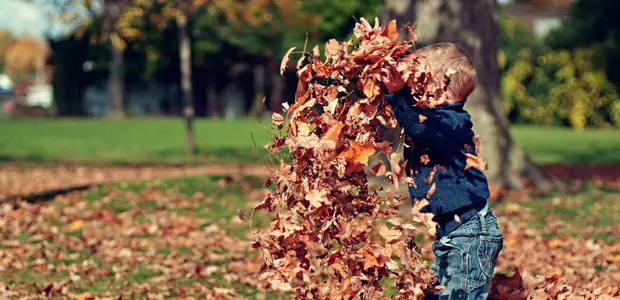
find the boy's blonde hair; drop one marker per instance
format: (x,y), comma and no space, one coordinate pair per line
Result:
(445,56)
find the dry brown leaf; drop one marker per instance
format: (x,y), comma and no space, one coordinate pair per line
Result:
(391,31)
(285,60)
(358,153)
(474,161)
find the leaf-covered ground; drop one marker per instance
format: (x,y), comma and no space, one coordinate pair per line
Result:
(182,238)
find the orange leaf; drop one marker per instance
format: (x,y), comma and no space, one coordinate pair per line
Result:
(370,260)
(333,133)
(474,161)
(358,153)
(391,31)
(75,225)
(422,118)
(424,159)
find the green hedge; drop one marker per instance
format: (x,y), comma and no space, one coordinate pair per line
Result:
(559,87)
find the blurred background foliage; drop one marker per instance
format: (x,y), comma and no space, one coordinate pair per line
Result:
(569,77)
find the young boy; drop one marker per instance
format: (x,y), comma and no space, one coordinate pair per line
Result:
(468,235)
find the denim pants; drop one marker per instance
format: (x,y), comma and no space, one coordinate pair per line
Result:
(465,258)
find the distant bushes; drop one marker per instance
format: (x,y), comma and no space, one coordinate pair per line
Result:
(560,87)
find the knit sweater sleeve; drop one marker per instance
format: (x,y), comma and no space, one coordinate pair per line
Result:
(440,128)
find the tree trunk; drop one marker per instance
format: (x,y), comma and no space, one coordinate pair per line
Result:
(258,102)
(473,25)
(277,89)
(116,85)
(214,107)
(185,56)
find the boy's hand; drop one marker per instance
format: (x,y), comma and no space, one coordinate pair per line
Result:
(393,80)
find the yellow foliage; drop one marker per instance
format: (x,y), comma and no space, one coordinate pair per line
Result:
(558,87)
(24,56)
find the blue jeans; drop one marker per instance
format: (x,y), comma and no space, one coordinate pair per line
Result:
(465,258)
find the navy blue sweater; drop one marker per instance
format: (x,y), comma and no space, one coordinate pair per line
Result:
(443,137)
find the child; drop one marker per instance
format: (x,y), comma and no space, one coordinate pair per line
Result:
(468,235)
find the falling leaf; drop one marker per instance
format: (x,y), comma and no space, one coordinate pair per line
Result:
(391,31)
(422,118)
(457,218)
(358,153)
(474,161)
(369,87)
(332,48)
(277,119)
(431,190)
(333,133)
(379,169)
(285,60)
(411,32)
(424,159)
(370,260)
(389,234)
(241,214)
(315,51)
(317,198)
(384,147)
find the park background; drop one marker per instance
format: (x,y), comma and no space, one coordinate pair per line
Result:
(132,130)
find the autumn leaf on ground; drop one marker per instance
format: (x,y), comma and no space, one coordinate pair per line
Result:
(75,225)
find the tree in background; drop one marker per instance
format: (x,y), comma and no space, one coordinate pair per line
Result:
(24,59)
(102,18)
(6,38)
(473,24)
(592,24)
(548,86)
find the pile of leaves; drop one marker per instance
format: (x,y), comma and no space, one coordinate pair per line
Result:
(330,238)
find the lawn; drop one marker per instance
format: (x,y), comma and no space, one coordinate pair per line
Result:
(147,141)
(161,140)
(182,238)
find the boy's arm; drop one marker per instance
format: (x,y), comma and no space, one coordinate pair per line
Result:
(432,126)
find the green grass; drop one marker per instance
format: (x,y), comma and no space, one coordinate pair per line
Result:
(574,214)
(565,145)
(162,140)
(147,141)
